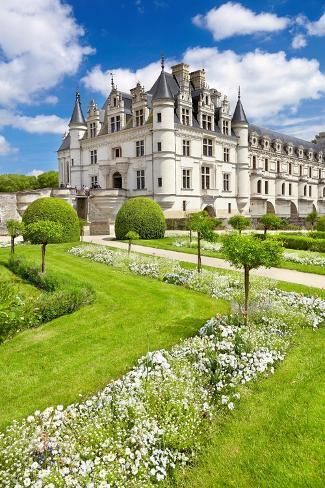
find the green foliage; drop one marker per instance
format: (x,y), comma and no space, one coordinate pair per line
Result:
(271,222)
(320,224)
(31,274)
(312,218)
(239,222)
(43,232)
(300,242)
(57,210)
(246,251)
(15,228)
(202,223)
(13,182)
(132,236)
(141,215)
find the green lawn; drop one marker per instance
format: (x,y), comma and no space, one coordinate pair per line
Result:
(80,353)
(275,438)
(168,244)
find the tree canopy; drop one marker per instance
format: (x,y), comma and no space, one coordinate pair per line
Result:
(16,182)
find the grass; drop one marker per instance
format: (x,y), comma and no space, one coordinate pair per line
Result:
(80,353)
(274,439)
(167,243)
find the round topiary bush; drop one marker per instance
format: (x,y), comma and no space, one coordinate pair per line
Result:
(57,210)
(141,215)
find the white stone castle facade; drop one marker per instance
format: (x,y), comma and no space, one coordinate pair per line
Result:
(179,144)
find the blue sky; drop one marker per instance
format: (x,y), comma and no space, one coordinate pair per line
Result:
(273,49)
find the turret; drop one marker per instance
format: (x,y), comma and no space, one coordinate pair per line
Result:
(77,129)
(239,125)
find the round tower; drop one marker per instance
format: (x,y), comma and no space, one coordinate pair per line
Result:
(77,129)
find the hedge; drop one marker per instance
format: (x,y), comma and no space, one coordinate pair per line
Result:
(141,215)
(300,242)
(57,210)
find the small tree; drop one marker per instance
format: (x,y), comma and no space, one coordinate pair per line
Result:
(270,221)
(15,228)
(131,236)
(250,253)
(312,219)
(44,232)
(201,223)
(239,222)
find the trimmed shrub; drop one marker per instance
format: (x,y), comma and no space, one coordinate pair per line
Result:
(320,224)
(57,210)
(141,215)
(300,242)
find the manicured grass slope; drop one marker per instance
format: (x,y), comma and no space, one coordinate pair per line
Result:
(80,353)
(274,439)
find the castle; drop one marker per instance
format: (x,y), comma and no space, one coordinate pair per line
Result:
(179,144)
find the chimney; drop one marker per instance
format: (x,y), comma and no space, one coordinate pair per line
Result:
(182,74)
(198,79)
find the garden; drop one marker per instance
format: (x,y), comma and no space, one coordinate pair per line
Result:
(168,375)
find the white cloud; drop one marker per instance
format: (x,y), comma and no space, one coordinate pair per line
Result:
(299,41)
(39,124)
(39,44)
(5,147)
(35,172)
(316,28)
(233,19)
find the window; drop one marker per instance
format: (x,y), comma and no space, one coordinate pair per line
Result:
(68,172)
(309,172)
(283,189)
(305,190)
(72,162)
(117,152)
(205,177)
(226,154)
(140,179)
(159,117)
(290,189)
(207,147)
(139,117)
(186,179)
(290,169)
(319,171)
(160,182)
(266,144)
(206,122)
(266,164)
(259,186)
(225,127)
(158,146)
(117,180)
(93,156)
(266,188)
(185,116)
(114,102)
(254,162)
(184,205)
(310,190)
(254,140)
(186,148)
(229,208)
(278,167)
(226,182)
(115,123)
(92,129)
(207,100)
(94,181)
(139,146)
(300,170)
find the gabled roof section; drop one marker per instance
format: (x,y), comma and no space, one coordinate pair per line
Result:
(65,143)
(239,113)
(161,89)
(287,139)
(77,117)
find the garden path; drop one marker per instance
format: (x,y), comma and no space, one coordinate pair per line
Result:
(291,276)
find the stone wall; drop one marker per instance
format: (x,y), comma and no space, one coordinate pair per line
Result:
(8,210)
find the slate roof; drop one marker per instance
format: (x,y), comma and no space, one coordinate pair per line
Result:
(77,115)
(285,138)
(65,143)
(161,89)
(239,113)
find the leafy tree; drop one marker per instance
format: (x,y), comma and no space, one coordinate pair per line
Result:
(312,219)
(14,182)
(15,228)
(131,236)
(270,221)
(44,232)
(320,225)
(239,222)
(250,253)
(49,179)
(201,223)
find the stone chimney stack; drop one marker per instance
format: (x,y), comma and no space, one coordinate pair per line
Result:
(198,79)
(182,74)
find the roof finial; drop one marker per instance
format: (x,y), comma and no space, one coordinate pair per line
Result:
(77,95)
(112,80)
(239,92)
(162,62)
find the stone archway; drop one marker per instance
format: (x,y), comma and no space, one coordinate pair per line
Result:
(210,211)
(270,208)
(117,180)
(293,210)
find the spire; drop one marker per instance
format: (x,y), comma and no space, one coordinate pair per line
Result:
(77,117)
(239,113)
(160,89)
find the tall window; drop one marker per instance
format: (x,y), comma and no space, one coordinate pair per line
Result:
(94,181)
(68,172)
(305,190)
(92,129)
(115,123)
(266,164)
(226,154)
(283,189)
(290,189)
(207,147)
(139,119)
(158,146)
(225,127)
(139,146)
(205,177)
(300,170)
(140,179)
(278,167)
(186,148)
(226,182)
(206,122)
(266,188)
(185,116)
(290,169)
(309,172)
(310,190)
(254,162)
(159,117)
(259,186)
(93,156)
(186,179)
(319,171)
(117,152)
(160,182)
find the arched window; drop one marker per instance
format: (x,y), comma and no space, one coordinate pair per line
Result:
(117,180)
(266,188)
(259,186)
(283,188)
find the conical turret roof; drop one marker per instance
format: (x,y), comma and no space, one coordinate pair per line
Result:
(161,90)
(239,113)
(77,117)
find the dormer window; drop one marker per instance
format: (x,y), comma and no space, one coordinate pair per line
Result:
(225,127)
(114,102)
(92,129)
(254,140)
(185,116)
(310,155)
(207,100)
(115,123)
(278,147)
(266,144)
(206,122)
(301,153)
(290,149)
(320,157)
(139,119)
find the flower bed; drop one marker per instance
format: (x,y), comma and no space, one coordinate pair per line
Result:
(309,260)
(205,245)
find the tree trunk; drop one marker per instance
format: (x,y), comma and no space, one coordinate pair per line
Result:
(265,229)
(199,264)
(246,285)
(129,247)
(43,257)
(12,244)
(239,231)
(190,237)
